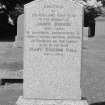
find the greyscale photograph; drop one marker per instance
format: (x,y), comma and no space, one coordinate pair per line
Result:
(52,52)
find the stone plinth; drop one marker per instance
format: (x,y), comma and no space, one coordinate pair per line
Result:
(23,101)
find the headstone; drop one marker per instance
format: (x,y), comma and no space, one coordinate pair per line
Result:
(85,33)
(100,27)
(52,53)
(20,32)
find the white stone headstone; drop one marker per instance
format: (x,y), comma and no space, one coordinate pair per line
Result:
(100,27)
(20,32)
(52,53)
(85,33)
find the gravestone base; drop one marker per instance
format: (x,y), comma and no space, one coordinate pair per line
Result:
(24,101)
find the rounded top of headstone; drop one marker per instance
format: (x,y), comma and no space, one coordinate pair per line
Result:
(75,3)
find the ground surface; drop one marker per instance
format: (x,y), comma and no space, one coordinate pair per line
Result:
(10,93)
(93,70)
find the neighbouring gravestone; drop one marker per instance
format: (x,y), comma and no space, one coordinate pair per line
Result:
(52,53)
(20,32)
(100,27)
(85,33)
